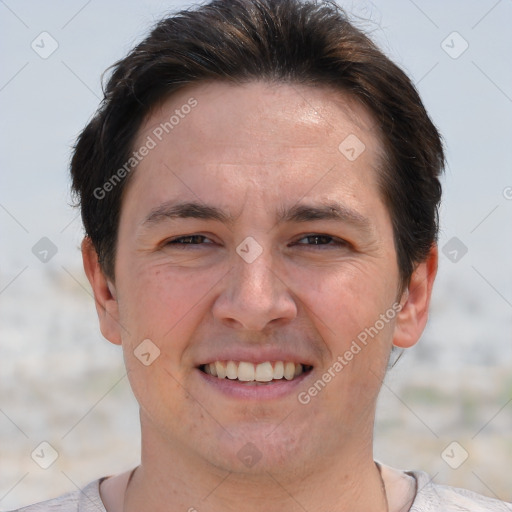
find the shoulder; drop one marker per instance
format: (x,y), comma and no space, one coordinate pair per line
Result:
(83,500)
(432,497)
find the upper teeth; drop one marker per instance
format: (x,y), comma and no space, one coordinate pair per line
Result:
(248,372)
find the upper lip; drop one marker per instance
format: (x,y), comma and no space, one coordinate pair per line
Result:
(256,356)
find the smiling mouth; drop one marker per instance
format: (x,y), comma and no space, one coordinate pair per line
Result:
(262,373)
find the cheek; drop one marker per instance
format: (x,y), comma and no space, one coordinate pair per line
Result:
(344,301)
(162,303)
(346,308)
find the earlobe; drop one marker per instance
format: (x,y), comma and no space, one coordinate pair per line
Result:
(104,292)
(415,302)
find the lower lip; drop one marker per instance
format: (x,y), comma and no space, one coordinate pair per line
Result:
(237,389)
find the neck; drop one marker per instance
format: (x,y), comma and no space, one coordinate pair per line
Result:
(172,478)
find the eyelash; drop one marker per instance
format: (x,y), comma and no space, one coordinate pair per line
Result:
(337,241)
(176,241)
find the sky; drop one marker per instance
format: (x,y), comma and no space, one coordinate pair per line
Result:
(53,55)
(457,53)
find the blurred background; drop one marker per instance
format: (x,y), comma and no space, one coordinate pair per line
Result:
(445,408)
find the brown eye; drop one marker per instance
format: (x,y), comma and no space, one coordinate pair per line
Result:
(317,239)
(188,240)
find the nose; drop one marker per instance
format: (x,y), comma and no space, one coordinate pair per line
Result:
(254,296)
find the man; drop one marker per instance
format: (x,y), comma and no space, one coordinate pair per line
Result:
(259,191)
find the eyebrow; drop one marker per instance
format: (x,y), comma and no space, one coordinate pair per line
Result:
(325,211)
(298,213)
(184,210)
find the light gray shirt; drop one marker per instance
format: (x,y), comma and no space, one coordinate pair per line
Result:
(430,497)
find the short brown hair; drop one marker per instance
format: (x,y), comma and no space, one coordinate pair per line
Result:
(306,42)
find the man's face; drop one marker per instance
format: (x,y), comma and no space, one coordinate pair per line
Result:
(248,235)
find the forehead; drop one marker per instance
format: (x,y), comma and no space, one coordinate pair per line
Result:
(262,109)
(285,137)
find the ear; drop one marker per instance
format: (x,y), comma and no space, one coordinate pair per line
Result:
(104,293)
(415,302)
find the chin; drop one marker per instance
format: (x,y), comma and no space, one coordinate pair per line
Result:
(258,449)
